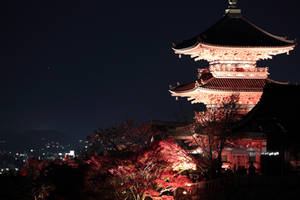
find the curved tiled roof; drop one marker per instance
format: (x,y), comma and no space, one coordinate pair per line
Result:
(235,84)
(184,87)
(234,30)
(225,84)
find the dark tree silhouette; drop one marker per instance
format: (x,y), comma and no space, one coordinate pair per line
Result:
(127,137)
(211,132)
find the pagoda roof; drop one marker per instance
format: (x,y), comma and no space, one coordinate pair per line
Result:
(225,84)
(234,30)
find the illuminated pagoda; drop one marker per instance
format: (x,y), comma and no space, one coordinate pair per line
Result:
(232,47)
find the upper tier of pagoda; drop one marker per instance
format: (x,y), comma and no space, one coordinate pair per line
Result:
(232,47)
(234,38)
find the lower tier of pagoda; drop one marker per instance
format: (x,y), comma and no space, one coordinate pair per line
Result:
(212,91)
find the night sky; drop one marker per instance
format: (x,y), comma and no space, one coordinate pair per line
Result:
(74,66)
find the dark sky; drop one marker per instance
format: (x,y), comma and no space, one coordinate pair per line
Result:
(73,66)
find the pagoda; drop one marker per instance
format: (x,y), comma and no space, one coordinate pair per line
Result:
(232,47)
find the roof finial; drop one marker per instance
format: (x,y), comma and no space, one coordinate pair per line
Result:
(232,7)
(232,4)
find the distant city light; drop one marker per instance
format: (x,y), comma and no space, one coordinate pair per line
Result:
(71,153)
(50,150)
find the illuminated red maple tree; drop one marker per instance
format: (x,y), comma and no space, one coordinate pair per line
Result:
(154,172)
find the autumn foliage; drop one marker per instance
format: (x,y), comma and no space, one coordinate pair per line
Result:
(157,169)
(152,169)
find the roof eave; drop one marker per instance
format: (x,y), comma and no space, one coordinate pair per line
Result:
(292,45)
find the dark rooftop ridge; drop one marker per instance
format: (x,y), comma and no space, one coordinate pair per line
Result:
(234,30)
